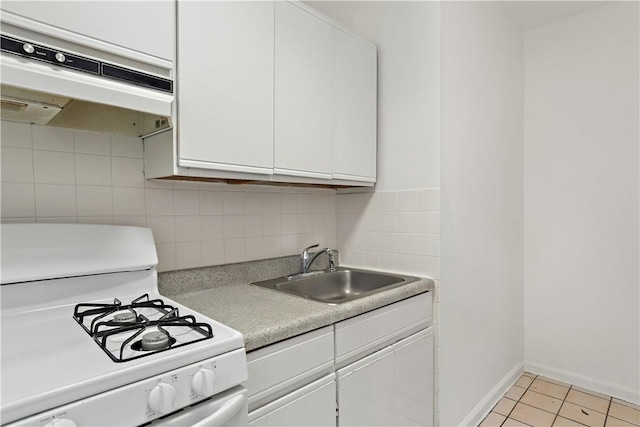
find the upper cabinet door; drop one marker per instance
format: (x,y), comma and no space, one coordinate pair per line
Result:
(354,108)
(143,26)
(225,85)
(303,93)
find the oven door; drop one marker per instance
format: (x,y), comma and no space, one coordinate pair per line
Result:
(224,409)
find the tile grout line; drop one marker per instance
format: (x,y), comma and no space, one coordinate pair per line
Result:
(519,399)
(606,417)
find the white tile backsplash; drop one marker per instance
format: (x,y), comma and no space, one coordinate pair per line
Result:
(54,167)
(18,200)
(391,230)
(62,175)
(15,135)
(92,143)
(17,165)
(93,170)
(50,138)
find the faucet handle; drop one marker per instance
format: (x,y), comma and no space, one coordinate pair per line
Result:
(305,252)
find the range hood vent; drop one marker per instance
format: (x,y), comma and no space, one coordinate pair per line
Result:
(39,88)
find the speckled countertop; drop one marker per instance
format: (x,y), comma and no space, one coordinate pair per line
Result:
(265,316)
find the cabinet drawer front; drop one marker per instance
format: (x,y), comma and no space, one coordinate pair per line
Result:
(279,368)
(366,333)
(313,404)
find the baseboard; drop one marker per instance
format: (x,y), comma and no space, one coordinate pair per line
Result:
(628,395)
(481,410)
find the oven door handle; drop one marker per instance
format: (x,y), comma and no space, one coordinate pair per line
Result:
(224,414)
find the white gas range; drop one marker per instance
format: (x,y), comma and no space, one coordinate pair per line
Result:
(88,340)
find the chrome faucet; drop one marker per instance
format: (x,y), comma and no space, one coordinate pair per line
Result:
(307,259)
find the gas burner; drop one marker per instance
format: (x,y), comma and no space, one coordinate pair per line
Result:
(127,317)
(154,341)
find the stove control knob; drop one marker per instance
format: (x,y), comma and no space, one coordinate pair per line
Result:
(27,47)
(61,422)
(161,398)
(60,57)
(203,382)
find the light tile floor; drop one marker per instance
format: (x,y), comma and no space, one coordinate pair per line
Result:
(542,402)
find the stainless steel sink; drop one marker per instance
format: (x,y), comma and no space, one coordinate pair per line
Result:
(336,287)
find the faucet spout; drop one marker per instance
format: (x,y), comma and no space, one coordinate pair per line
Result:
(308,259)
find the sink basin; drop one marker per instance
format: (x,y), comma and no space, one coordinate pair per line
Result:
(338,286)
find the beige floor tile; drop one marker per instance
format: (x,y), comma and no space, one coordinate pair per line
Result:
(553,390)
(529,374)
(625,403)
(510,422)
(588,400)
(524,381)
(565,422)
(614,422)
(515,393)
(594,393)
(624,413)
(504,406)
(532,416)
(582,415)
(541,401)
(493,420)
(552,381)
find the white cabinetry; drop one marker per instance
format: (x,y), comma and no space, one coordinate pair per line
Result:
(292,383)
(143,26)
(311,405)
(383,365)
(225,85)
(391,387)
(303,93)
(354,108)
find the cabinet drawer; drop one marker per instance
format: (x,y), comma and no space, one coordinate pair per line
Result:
(368,332)
(280,368)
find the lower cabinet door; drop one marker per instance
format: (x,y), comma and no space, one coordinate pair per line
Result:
(365,391)
(311,405)
(413,382)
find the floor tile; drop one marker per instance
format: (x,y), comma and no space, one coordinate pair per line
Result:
(625,403)
(529,374)
(582,415)
(515,392)
(614,422)
(591,392)
(510,422)
(549,389)
(565,422)
(588,400)
(524,381)
(552,381)
(504,406)
(624,413)
(493,420)
(532,416)
(541,401)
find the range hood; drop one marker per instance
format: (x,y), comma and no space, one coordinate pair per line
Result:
(52,82)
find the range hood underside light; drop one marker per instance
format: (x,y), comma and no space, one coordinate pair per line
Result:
(14,109)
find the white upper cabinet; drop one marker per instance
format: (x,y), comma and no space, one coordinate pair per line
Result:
(303,93)
(225,85)
(354,108)
(144,26)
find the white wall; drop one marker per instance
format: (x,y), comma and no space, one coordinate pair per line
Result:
(61,175)
(481,344)
(408,38)
(581,186)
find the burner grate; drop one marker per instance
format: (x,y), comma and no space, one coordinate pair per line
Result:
(129,320)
